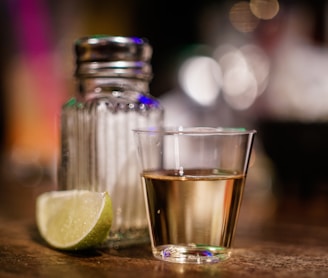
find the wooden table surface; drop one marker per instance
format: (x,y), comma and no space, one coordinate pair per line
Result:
(290,242)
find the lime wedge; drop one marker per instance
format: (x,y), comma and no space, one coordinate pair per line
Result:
(74,219)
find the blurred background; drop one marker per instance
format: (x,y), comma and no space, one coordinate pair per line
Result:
(259,64)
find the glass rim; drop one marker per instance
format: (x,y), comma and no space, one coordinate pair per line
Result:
(197,130)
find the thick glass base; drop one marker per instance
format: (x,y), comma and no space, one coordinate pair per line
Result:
(193,254)
(127,238)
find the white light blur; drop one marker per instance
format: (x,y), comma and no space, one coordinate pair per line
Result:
(236,81)
(230,57)
(200,77)
(243,96)
(258,61)
(245,74)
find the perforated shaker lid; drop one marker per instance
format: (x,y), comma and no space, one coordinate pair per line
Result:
(103,55)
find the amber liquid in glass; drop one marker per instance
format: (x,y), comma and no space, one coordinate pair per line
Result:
(193,214)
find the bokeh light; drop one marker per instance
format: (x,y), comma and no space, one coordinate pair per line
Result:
(200,77)
(239,84)
(242,18)
(259,63)
(264,9)
(245,74)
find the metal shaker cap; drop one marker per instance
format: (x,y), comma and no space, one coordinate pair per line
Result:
(113,56)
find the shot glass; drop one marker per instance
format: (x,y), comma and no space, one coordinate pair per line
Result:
(193,181)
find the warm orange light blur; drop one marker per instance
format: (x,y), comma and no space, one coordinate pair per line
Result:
(264,9)
(242,18)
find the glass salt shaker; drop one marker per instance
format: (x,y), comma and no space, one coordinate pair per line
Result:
(97,143)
